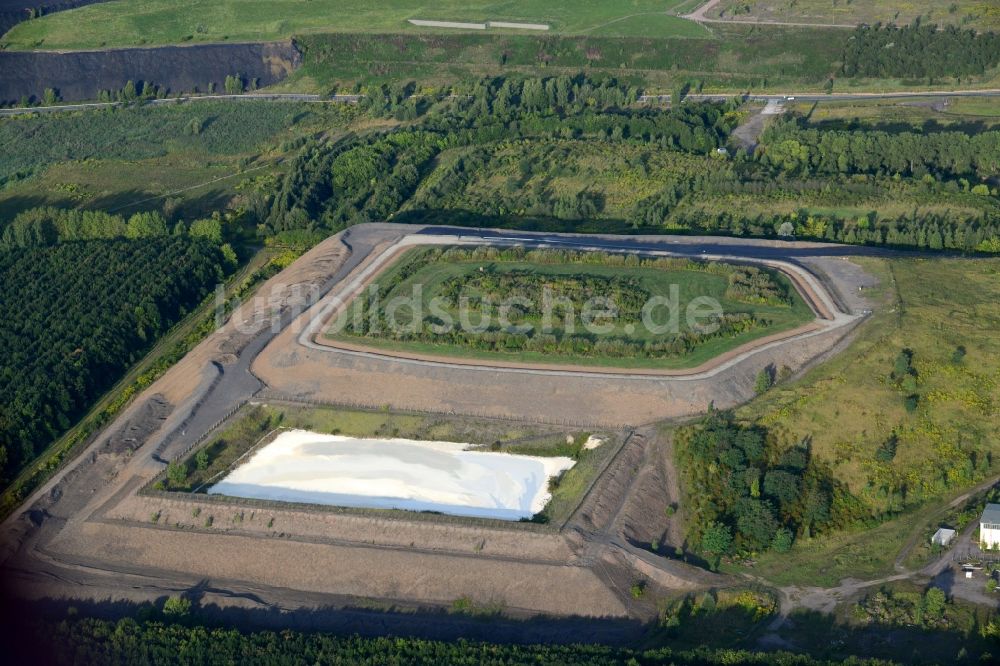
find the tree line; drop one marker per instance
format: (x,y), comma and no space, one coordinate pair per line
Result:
(791,147)
(49,225)
(94,641)
(919,51)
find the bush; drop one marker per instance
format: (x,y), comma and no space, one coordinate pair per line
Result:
(177,607)
(764,381)
(716,539)
(782,541)
(176,474)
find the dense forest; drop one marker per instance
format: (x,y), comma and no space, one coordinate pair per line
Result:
(91,641)
(919,51)
(75,315)
(746,494)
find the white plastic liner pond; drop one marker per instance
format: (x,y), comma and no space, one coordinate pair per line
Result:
(303,466)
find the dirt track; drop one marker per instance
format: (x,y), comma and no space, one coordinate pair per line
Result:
(87,532)
(294,366)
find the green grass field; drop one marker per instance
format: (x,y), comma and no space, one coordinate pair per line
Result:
(731,58)
(848,408)
(134,22)
(979,14)
(496,279)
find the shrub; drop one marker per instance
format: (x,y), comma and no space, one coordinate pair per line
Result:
(177,607)
(176,473)
(782,541)
(765,380)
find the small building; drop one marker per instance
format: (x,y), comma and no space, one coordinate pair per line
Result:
(989,527)
(943,536)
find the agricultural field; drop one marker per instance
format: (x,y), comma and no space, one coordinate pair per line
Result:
(978,14)
(192,157)
(554,305)
(134,23)
(902,435)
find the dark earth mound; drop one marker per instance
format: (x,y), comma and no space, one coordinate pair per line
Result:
(81,75)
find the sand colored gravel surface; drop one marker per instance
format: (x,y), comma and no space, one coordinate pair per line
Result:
(309,467)
(356,571)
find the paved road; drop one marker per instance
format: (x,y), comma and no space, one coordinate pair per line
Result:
(699,16)
(353,99)
(832,97)
(671,248)
(248,97)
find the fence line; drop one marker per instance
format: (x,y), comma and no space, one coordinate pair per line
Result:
(190,447)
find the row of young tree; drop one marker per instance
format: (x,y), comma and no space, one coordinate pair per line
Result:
(77,314)
(932,231)
(919,51)
(49,225)
(144,91)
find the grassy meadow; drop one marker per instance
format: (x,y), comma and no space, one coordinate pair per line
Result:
(956,114)
(850,407)
(132,23)
(979,14)
(730,58)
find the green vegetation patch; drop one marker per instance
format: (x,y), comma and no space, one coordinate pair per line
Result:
(128,641)
(201,129)
(569,307)
(172,22)
(901,459)
(732,58)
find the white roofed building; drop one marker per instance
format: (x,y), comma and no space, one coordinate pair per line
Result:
(989,527)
